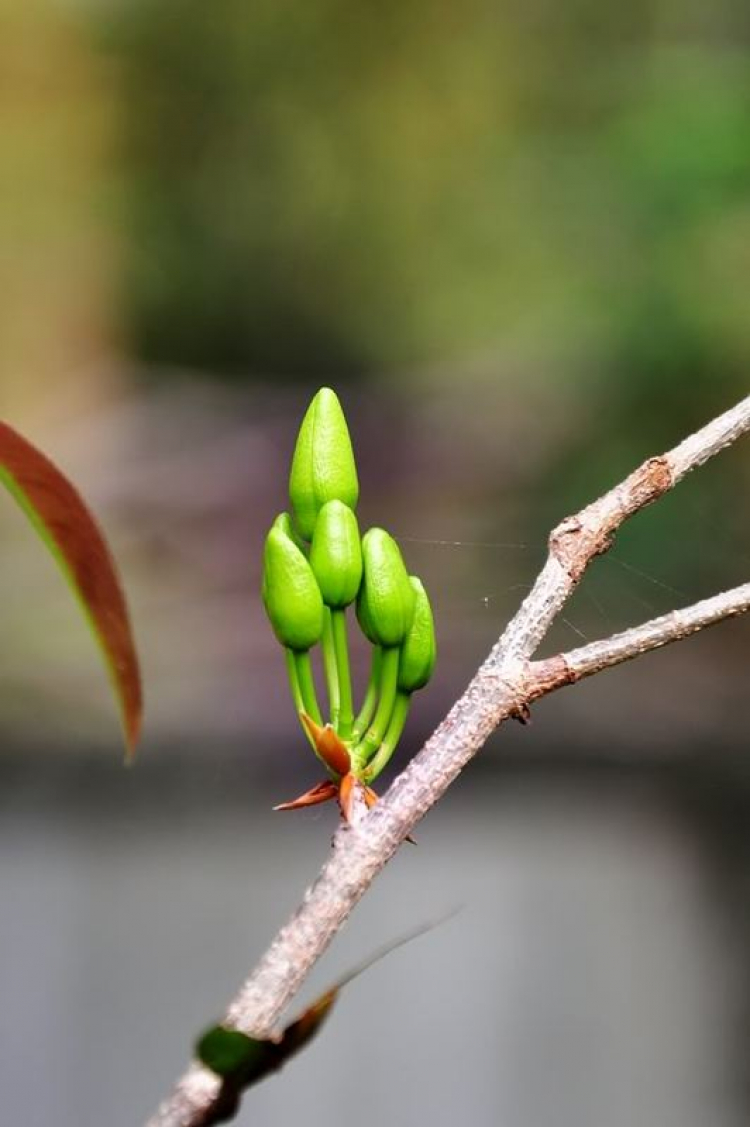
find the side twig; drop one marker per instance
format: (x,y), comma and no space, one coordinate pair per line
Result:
(503,687)
(565,669)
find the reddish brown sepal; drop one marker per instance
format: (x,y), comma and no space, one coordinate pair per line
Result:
(370,797)
(344,791)
(60,515)
(330,747)
(321,792)
(346,795)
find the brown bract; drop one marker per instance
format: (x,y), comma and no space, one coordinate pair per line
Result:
(329,745)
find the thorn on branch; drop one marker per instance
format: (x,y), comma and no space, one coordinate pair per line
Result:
(522,713)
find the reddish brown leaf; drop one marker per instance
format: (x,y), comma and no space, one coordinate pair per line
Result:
(60,516)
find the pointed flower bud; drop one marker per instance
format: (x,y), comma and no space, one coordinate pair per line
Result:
(363,618)
(385,607)
(286,524)
(323,467)
(290,593)
(418,653)
(336,554)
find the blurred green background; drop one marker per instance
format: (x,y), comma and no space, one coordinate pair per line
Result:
(516,239)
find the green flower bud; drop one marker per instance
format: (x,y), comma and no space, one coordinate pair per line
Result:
(418,652)
(364,620)
(286,524)
(336,554)
(290,593)
(323,466)
(385,606)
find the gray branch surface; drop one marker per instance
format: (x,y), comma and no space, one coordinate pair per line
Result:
(503,687)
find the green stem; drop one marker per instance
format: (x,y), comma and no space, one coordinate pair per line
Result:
(371,696)
(331,668)
(299,704)
(373,737)
(341,648)
(307,684)
(391,738)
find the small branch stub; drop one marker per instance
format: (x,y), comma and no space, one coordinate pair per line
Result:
(579,539)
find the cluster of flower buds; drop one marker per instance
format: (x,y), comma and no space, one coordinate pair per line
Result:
(316,566)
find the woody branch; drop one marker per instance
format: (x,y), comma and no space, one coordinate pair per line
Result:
(503,687)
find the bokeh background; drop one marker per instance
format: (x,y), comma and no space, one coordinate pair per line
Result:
(515,237)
